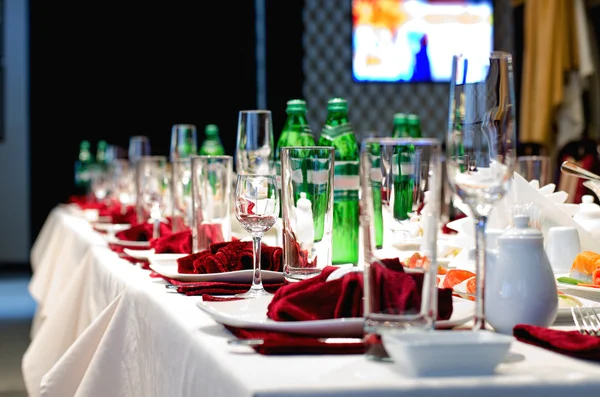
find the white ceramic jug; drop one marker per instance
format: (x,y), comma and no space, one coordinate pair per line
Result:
(520,287)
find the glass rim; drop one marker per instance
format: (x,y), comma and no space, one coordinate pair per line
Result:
(534,157)
(255,111)
(184,125)
(498,54)
(402,141)
(210,156)
(327,148)
(257,175)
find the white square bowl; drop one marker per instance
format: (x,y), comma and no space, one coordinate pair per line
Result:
(446,353)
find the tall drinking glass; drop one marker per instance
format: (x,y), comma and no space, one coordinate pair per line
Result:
(535,168)
(181,192)
(211,200)
(139,145)
(481,145)
(307,209)
(184,141)
(395,169)
(256,208)
(255,143)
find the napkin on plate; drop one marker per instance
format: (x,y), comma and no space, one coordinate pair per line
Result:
(174,243)
(571,343)
(119,249)
(230,256)
(130,215)
(283,343)
(318,299)
(142,232)
(209,288)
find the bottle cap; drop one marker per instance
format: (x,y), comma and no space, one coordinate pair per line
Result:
(399,118)
(211,130)
(337,104)
(84,145)
(304,203)
(102,144)
(296,105)
(412,119)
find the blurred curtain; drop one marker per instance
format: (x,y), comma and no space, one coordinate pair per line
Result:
(550,51)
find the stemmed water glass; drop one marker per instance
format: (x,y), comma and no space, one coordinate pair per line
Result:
(256,208)
(255,143)
(481,145)
(154,189)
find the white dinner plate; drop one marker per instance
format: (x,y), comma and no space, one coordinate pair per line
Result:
(168,268)
(111,227)
(252,313)
(564,310)
(564,286)
(139,254)
(128,243)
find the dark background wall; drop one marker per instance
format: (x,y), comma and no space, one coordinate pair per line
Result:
(109,70)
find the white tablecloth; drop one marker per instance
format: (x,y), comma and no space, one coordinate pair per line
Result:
(108,329)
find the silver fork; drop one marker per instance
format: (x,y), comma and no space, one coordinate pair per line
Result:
(587,320)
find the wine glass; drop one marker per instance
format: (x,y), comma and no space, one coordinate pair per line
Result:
(481,150)
(255,143)
(154,189)
(256,208)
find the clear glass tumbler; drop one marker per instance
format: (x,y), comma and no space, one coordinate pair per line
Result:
(307,209)
(211,200)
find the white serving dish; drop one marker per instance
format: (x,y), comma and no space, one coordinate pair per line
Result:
(446,353)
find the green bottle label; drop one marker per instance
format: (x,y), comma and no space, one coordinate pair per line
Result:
(338,130)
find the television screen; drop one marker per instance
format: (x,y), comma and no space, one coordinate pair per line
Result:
(414,40)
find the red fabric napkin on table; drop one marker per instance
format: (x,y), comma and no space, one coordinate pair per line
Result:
(119,249)
(130,215)
(571,343)
(280,343)
(142,232)
(174,243)
(318,299)
(230,256)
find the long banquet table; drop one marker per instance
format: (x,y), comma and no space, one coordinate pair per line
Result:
(103,327)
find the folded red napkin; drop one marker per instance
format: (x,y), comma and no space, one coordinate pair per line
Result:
(230,256)
(174,243)
(119,250)
(142,232)
(280,343)
(571,343)
(117,217)
(317,299)
(87,203)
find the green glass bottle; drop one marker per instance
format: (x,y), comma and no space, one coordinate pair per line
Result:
(413,123)
(338,132)
(296,132)
(400,127)
(212,145)
(101,159)
(402,170)
(83,169)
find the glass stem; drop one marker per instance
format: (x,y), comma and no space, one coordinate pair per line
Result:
(156,229)
(480,250)
(256,276)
